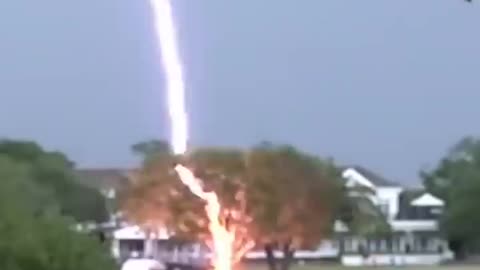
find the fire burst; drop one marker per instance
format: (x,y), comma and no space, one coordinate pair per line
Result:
(223,238)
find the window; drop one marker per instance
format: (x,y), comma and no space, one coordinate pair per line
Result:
(351,245)
(383,246)
(395,244)
(334,244)
(425,244)
(128,247)
(421,243)
(436,211)
(372,245)
(348,244)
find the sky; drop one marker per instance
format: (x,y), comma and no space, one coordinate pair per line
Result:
(389,85)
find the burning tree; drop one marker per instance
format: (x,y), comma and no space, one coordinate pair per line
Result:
(275,197)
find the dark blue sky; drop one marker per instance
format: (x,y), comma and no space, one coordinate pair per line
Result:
(386,84)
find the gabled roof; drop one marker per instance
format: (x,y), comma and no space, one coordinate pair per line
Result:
(373,178)
(427,200)
(376,179)
(103,178)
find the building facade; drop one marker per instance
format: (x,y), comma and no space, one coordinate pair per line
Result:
(413,216)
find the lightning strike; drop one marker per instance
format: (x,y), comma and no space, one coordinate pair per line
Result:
(223,238)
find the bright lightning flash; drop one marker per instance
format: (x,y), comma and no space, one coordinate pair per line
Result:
(222,238)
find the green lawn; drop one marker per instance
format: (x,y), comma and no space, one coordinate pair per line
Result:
(316,266)
(319,267)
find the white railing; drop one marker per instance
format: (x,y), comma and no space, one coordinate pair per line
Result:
(414,225)
(396,259)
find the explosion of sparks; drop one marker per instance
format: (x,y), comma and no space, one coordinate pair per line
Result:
(223,238)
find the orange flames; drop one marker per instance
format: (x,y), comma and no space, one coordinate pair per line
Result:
(226,250)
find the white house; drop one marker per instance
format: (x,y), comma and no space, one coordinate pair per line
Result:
(412,215)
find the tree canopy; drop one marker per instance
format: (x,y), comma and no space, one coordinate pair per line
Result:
(32,233)
(54,173)
(456,180)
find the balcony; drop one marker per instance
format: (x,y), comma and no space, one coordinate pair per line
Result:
(414,225)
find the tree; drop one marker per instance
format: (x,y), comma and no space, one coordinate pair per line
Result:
(293,198)
(148,150)
(275,195)
(157,199)
(33,235)
(361,216)
(54,172)
(456,180)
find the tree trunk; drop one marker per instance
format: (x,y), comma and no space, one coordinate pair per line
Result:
(272,263)
(458,248)
(288,253)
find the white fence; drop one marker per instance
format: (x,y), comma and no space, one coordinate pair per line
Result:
(395,259)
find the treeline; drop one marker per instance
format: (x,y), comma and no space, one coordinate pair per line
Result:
(456,180)
(276,195)
(40,204)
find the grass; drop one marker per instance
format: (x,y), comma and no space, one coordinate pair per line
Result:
(319,266)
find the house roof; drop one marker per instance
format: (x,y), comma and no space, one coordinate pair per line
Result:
(427,200)
(103,178)
(374,178)
(405,202)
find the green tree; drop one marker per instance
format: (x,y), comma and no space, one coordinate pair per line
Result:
(54,172)
(33,235)
(151,149)
(361,216)
(456,180)
(293,197)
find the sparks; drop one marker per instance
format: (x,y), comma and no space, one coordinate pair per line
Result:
(223,238)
